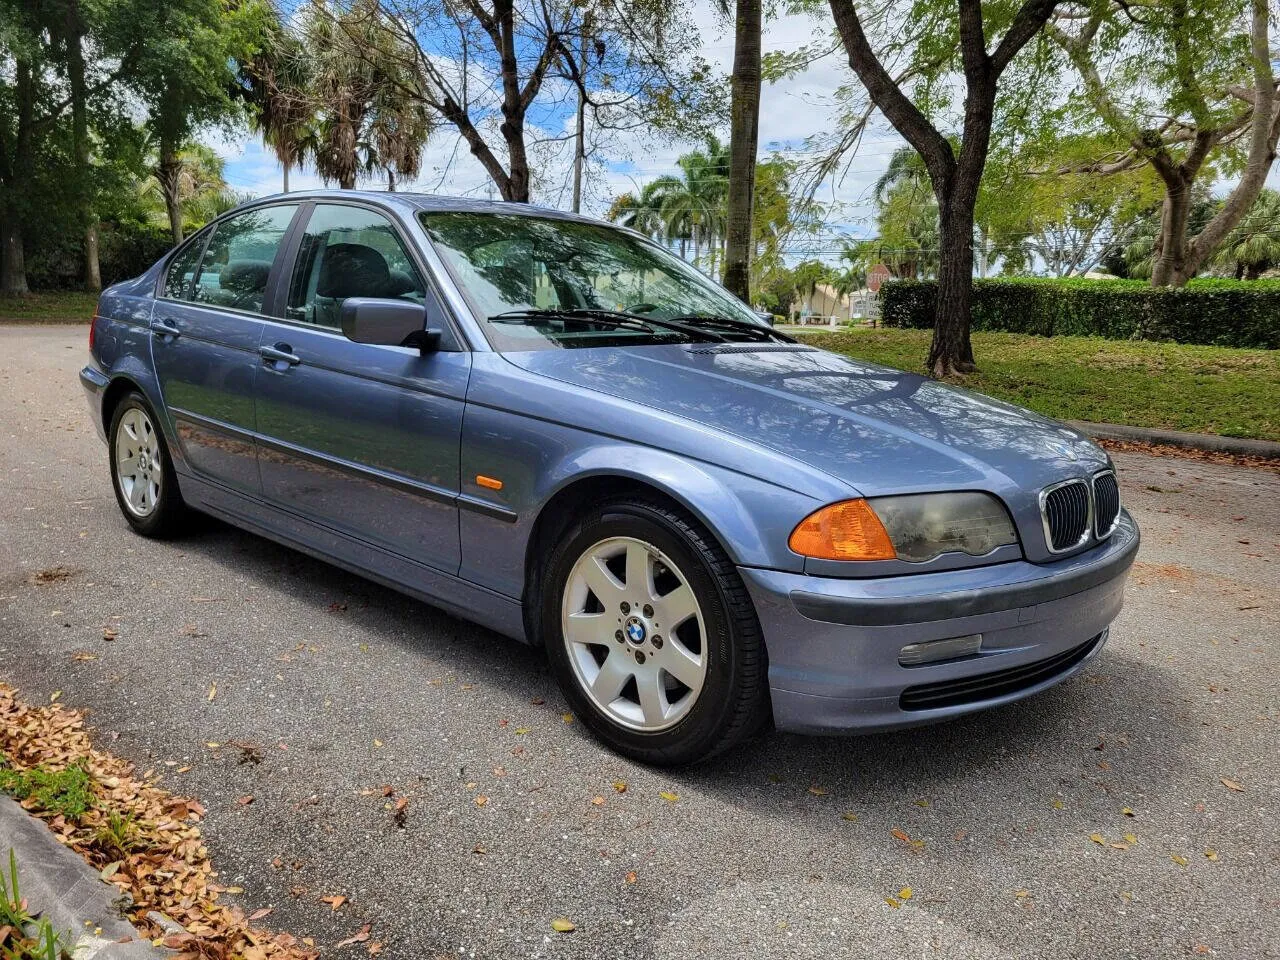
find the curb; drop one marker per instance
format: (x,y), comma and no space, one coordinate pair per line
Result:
(61,888)
(1235,446)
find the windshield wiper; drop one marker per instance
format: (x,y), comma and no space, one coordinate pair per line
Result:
(615,317)
(756,330)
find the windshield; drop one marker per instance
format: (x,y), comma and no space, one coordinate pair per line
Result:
(533,269)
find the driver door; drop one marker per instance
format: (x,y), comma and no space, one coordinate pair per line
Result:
(360,438)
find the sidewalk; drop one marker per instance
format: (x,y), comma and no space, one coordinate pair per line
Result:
(61,888)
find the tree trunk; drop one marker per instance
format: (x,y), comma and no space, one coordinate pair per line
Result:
(1168,267)
(743,140)
(951,351)
(83,186)
(13,260)
(286,178)
(169,175)
(13,264)
(580,135)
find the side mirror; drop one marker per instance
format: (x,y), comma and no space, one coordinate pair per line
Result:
(392,323)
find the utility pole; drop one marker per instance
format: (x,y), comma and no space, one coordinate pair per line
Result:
(580,137)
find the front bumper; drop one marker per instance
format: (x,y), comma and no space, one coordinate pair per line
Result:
(834,643)
(95,383)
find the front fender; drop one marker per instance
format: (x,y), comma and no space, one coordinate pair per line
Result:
(539,462)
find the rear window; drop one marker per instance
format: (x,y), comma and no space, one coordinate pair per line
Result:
(237,262)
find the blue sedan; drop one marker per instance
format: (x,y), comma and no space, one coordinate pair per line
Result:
(557,429)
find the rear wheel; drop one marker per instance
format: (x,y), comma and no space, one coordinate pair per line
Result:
(652,635)
(142,473)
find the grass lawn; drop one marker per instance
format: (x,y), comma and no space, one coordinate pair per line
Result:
(1171,386)
(57,306)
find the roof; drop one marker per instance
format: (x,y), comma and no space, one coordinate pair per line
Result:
(428,202)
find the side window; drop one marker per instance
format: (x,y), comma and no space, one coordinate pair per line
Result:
(237,262)
(348,252)
(182,269)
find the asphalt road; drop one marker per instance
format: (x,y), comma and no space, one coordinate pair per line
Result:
(344,686)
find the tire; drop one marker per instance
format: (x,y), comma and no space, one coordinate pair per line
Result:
(147,491)
(718,650)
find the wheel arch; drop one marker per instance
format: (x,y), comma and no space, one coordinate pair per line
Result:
(119,388)
(717,509)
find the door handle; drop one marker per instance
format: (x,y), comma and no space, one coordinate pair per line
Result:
(280,353)
(165,327)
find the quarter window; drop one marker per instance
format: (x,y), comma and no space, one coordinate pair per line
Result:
(348,252)
(237,263)
(182,270)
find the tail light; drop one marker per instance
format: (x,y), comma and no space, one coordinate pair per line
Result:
(93,327)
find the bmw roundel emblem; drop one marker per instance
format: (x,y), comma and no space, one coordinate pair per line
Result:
(635,630)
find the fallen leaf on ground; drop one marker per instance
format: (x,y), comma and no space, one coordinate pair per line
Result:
(360,937)
(213,691)
(1232,785)
(245,800)
(620,786)
(563,925)
(335,901)
(521,731)
(1180,861)
(375,948)
(567,717)
(850,816)
(110,633)
(85,656)
(259,914)
(1211,854)
(904,893)
(818,791)
(481,800)
(1098,838)
(631,876)
(597,801)
(893,902)
(668,796)
(1127,812)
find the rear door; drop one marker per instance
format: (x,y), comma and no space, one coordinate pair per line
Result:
(360,438)
(205,331)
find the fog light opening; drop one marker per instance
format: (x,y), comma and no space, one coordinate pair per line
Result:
(935,651)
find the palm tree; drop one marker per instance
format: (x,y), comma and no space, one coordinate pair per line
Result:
(1253,246)
(906,168)
(847,282)
(807,276)
(200,192)
(360,71)
(642,213)
(692,204)
(281,106)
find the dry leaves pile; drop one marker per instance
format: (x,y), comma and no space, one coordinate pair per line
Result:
(166,867)
(1191,453)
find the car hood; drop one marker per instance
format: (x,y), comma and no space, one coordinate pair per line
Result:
(880,430)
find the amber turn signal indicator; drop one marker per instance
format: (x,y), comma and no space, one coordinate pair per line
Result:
(848,530)
(489,482)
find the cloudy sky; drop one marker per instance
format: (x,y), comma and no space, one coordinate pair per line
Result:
(792,111)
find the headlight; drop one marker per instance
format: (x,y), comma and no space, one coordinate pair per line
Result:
(915,528)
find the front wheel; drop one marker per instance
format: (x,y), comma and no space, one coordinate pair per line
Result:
(652,636)
(142,474)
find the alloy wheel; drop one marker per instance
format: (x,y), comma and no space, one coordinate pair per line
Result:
(139,469)
(634,633)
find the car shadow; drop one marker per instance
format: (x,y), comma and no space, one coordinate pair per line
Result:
(1086,746)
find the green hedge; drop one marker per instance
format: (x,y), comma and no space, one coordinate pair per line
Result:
(1226,313)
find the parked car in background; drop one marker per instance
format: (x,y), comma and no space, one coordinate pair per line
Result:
(557,429)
